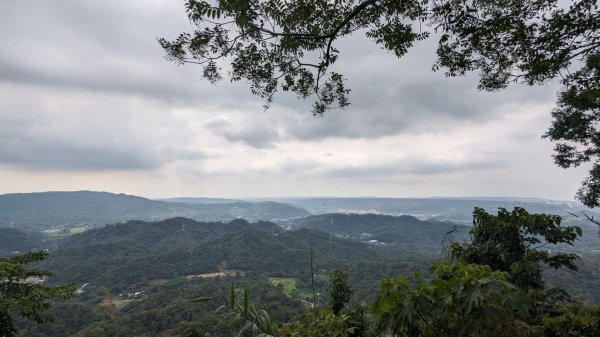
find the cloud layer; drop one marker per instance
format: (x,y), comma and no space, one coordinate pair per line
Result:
(87,100)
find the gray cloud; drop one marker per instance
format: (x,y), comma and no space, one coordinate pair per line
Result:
(304,167)
(39,151)
(72,133)
(67,156)
(112,48)
(257,133)
(253,137)
(412,166)
(84,87)
(108,48)
(393,96)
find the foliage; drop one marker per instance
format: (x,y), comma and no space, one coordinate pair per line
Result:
(250,319)
(355,315)
(588,218)
(406,231)
(575,126)
(111,308)
(152,257)
(288,285)
(461,300)
(289,46)
(325,323)
(533,42)
(511,242)
(339,290)
(14,241)
(247,318)
(194,332)
(21,294)
(123,255)
(572,320)
(360,320)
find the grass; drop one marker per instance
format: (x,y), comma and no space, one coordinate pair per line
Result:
(289,284)
(117,303)
(305,295)
(76,230)
(121,303)
(230,273)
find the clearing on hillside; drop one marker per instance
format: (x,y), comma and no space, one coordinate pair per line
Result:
(222,273)
(289,284)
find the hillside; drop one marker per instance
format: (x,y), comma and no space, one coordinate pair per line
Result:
(201,200)
(63,210)
(13,241)
(406,231)
(173,261)
(264,210)
(137,251)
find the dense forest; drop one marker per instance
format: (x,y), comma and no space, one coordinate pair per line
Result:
(143,278)
(174,260)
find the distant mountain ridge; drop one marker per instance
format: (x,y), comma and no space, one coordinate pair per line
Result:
(455,209)
(202,200)
(404,230)
(40,211)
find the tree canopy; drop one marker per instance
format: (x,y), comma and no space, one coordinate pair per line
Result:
(575,126)
(339,290)
(513,242)
(291,46)
(460,300)
(494,286)
(21,293)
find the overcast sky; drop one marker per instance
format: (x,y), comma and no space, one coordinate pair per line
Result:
(87,101)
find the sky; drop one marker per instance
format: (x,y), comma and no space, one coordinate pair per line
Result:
(88,102)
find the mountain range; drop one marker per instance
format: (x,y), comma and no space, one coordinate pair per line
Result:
(63,210)
(168,261)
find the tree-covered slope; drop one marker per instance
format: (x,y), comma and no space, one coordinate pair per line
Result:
(138,251)
(405,230)
(13,241)
(174,261)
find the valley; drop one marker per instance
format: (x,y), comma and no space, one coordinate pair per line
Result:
(151,271)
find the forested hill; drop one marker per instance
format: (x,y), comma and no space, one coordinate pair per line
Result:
(200,200)
(172,261)
(13,241)
(136,251)
(41,211)
(403,230)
